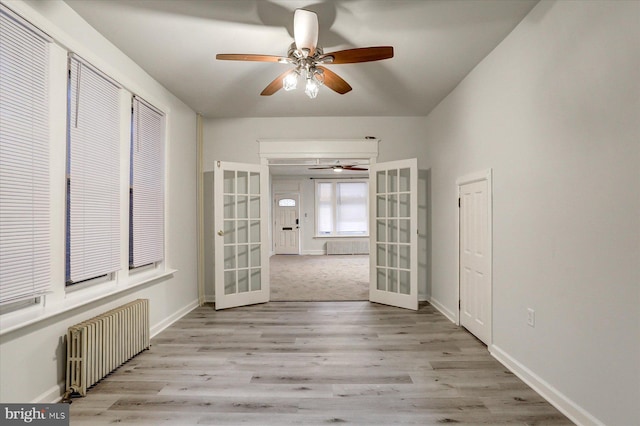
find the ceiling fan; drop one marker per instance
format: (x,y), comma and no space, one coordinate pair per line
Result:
(309,59)
(339,167)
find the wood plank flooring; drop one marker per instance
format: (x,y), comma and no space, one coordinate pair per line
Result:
(314,363)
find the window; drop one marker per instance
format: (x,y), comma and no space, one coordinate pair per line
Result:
(342,208)
(146,208)
(93,173)
(25,253)
(287,202)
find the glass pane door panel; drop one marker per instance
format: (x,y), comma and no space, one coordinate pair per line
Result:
(255,255)
(392,280)
(242,183)
(404,282)
(242,230)
(381,206)
(381,230)
(393,231)
(229,257)
(229,207)
(381,254)
(404,258)
(404,234)
(381,182)
(381,279)
(255,231)
(243,256)
(393,256)
(404,180)
(392,181)
(254,207)
(229,231)
(229,282)
(229,182)
(243,280)
(256,279)
(254,183)
(393,206)
(243,208)
(404,208)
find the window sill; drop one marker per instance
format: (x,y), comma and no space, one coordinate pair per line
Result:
(16,320)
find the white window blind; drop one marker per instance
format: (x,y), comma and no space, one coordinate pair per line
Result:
(351,208)
(342,208)
(25,258)
(93,169)
(146,242)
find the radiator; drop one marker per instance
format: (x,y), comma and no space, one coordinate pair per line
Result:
(348,247)
(98,346)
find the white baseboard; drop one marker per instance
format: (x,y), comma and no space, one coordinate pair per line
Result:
(313,252)
(51,396)
(443,310)
(569,408)
(156,329)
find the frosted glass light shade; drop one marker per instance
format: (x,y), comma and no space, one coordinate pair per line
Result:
(290,81)
(312,88)
(305,30)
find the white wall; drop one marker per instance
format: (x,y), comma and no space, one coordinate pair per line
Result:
(236,139)
(555,112)
(32,358)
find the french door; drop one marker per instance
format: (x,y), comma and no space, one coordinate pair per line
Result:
(241,244)
(393,190)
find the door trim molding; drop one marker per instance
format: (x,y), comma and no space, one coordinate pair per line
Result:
(463,180)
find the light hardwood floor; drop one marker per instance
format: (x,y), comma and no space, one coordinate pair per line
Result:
(314,363)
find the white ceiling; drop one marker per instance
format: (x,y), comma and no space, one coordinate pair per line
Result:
(436,43)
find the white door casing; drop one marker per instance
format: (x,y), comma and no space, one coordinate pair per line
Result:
(286,234)
(475,275)
(241,234)
(393,227)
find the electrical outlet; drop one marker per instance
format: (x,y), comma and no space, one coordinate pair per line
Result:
(531,317)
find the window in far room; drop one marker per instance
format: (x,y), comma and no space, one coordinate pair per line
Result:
(342,208)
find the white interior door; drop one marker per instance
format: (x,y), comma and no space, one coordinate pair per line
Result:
(475,259)
(394,233)
(241,248)
(287,224)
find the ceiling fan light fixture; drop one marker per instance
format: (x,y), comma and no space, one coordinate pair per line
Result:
(290,81)
(312,88)
(337,169)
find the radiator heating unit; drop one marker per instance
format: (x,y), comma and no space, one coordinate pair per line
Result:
(101,344)
(348,246)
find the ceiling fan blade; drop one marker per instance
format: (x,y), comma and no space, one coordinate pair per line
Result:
(305,30)
(320,168)
(248,57)
(355,168)
(334,82)
(275,85)
(362,54)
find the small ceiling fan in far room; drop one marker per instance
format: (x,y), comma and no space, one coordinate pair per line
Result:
(309,59)
(339,167)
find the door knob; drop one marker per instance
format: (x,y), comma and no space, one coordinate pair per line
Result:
(221,233)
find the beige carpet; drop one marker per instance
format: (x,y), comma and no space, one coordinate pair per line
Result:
(319,278)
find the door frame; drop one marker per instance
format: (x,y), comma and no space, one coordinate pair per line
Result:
(274,207)
(463,180)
